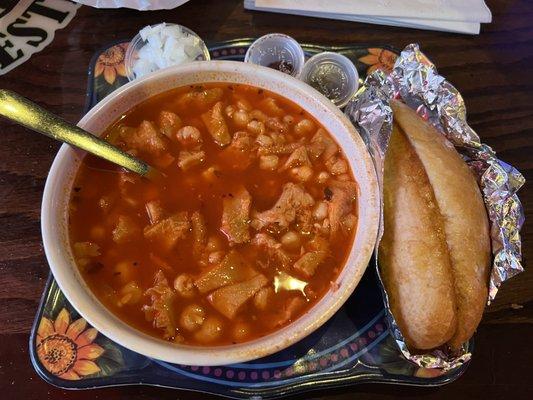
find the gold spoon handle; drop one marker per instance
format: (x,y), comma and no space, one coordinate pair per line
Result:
(26,113)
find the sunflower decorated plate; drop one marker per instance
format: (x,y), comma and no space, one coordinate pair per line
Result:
(352,347)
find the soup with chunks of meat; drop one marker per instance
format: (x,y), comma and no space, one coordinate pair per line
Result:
(248,229)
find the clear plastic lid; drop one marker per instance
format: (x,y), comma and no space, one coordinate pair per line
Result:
(277,51)
(333,75)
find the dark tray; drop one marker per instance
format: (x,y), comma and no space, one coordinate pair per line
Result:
(354,346)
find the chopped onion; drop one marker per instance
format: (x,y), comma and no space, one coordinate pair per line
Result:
(165,45)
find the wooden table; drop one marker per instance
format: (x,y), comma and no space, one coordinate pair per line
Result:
(494,72)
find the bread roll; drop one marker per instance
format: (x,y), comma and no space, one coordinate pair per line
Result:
(435,251)
(413,257)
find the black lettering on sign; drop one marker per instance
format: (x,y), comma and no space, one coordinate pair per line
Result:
(23,35)
(45,11)
(22,31)
(6,6)
(5,57)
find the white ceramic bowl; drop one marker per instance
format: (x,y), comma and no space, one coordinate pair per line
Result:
(60,180)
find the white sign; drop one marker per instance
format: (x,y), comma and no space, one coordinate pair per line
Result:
(142,5)
(28,26)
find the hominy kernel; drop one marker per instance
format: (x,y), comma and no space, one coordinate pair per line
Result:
(229,110)
(256,127)
(291,240)
(184,285)
(304,127)
(303,173)
(258,115)
(241,118)
(268,162)
(192,317)
(320,211)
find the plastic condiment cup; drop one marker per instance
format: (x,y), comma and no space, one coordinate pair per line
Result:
(277,51)
(137,43)
(333,75)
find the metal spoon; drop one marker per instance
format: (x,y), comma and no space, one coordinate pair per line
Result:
(24,112)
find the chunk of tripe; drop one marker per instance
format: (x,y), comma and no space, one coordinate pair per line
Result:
(125,230)
(169,230)
(297,158)
(293,202)
(236,216)
(270,249)
(310,261)
(145,138)
(155,211)
(229,299)
(262,298)
(341,203)
(216,124)
(199,236)
(238,155)
(232,269)
(322,145)
(161,311)
(200,98)
(169,123)
(188,159)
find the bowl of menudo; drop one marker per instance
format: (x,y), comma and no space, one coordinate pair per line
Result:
(260,230)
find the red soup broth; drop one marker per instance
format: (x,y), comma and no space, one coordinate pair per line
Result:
(249,228)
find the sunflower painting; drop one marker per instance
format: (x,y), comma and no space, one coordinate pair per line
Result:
(379,59)
(110,63)
(66,348)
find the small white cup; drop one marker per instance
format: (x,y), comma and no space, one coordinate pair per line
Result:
(333,75)
(277,51)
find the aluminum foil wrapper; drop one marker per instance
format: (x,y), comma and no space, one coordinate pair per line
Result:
(370,111)
(416,81)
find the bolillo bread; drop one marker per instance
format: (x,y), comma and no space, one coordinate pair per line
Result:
(414,261)
(435,252)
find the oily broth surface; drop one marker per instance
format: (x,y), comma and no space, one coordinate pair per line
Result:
(187,191)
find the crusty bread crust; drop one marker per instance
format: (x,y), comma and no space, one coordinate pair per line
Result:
(460,207)
(414,260)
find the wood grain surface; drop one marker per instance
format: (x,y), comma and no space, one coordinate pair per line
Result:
(493,71)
